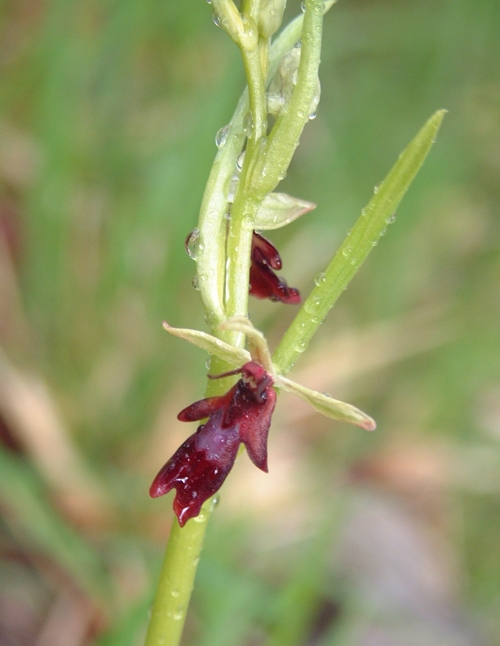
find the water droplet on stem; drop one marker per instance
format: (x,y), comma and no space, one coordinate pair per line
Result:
(221,136)
(320,278)
(193,243)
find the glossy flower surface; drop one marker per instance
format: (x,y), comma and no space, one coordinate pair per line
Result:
(264,283)
(199,467)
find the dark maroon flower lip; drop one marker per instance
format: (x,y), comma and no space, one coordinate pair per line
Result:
(199,467)
(264,283)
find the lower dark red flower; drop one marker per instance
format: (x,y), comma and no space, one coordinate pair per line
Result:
(264,283)
(200,466)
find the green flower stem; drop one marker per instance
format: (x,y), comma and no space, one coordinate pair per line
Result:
(210,258)
(184,547)
(168,613)
(258,161)
(288,37)
(256,92)
(229,19)
(284,136)
(239,244)
(360,241)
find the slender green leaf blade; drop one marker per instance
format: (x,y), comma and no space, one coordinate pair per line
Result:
(374,219)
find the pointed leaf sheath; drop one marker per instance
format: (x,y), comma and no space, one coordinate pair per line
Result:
(200,466)
(279,209)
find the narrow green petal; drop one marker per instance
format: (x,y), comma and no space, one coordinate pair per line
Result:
(212,345)
(328,406)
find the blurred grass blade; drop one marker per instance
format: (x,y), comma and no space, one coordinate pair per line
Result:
(372,223)
(126,631)
(39,528)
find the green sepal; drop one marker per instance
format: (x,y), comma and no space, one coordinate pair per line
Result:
(326,405)
(211,344)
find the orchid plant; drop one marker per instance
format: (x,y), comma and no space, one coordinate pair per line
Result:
(233,260)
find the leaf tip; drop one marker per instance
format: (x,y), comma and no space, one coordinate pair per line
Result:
(368,424)
(437,118)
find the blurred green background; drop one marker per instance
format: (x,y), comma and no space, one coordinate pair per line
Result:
(108,112)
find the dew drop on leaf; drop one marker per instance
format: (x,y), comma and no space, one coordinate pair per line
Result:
(193,243)
(221,136)
(240,160)
(320,278)
(233,187)
(248,124)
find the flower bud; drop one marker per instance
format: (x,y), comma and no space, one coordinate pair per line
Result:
(284,82)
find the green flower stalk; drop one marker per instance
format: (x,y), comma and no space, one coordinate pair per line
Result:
(232,260)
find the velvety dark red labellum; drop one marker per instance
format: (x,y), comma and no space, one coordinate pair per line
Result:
(201,464)
(264,283)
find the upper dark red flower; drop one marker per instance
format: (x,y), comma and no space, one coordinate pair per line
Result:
(264,283)
(200,466)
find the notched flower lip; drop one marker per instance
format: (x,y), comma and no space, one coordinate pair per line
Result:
(199,467)
(195,473)
(242,416)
